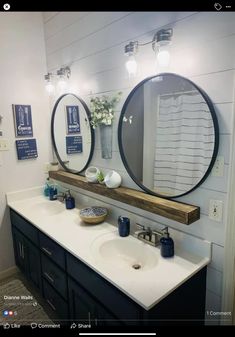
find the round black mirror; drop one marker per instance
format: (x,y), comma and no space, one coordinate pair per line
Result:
(168,135)
(72,136)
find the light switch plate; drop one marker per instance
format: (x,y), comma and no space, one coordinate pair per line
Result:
(216,210)
(4,144)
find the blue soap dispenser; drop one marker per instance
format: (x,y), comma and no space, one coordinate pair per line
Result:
(53,191)
(69,200)
(167,244)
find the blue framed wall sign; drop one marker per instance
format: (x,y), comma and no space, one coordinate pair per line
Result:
(73,120)
(26,149)
(73,144)
(23,120)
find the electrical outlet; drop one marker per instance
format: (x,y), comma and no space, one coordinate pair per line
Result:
(218,168)
(4,145)
(216,210)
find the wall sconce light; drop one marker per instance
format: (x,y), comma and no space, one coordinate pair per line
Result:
(160,43)
(61,75)
(131,50)
(49,86)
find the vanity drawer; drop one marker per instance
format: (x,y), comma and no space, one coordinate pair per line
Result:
(52,249)
(54,275)
(112,298)
(24,226)
(56,302)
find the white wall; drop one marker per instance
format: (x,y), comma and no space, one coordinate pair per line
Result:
(202,50)
(22,67)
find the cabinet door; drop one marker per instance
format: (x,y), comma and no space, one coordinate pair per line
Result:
(27,257)
(81,305)
(84,309)
(33,263)
(105,318)
(19,250)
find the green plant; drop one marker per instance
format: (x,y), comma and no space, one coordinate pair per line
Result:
(102,109)
(100,177)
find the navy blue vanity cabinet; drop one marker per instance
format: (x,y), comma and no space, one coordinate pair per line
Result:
(18,241)
(121,309)
(27,257)
(54,276)
(52,250)
(184,306)
(78,293)
(55,301)
(85,309)
(26,228)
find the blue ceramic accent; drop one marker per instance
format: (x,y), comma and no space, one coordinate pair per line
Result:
(70,202)
(123,226)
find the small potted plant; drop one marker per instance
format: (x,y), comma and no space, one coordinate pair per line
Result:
(102,115)
(100,177)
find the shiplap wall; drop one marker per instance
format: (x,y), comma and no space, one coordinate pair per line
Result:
(202,49)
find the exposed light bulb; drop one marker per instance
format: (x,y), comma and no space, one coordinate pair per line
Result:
(163,57)
(62,85)
(50,88)
(131,66)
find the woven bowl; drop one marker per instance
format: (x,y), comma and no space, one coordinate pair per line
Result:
(93,215)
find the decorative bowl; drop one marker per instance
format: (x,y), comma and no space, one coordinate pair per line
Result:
(93,214)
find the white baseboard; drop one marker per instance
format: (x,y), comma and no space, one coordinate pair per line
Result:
(8,272)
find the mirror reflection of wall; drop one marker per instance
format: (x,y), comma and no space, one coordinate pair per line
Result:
(72,136)
(168,135)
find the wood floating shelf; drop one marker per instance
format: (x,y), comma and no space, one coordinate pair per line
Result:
(174,210)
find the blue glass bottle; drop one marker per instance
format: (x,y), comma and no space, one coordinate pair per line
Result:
(69,201)
(53,192)
(167,245)
(123,226)
(46,188)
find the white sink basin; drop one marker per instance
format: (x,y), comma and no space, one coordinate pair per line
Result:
(48,208)
(124,252)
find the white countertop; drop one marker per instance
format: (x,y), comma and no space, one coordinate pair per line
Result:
(145,287)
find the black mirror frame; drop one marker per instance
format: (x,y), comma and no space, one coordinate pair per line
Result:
(53,133)
(216,131)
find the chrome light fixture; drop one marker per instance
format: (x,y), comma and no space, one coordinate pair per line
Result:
(160,43)
(50,88)
(131,50)
(62,75)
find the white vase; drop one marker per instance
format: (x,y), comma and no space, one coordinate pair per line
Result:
(112,179)
(91,174)
(106,135)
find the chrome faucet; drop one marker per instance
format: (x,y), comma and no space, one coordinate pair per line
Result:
(61,196)
(149,236)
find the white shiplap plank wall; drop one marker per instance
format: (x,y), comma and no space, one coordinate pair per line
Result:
(92,43)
